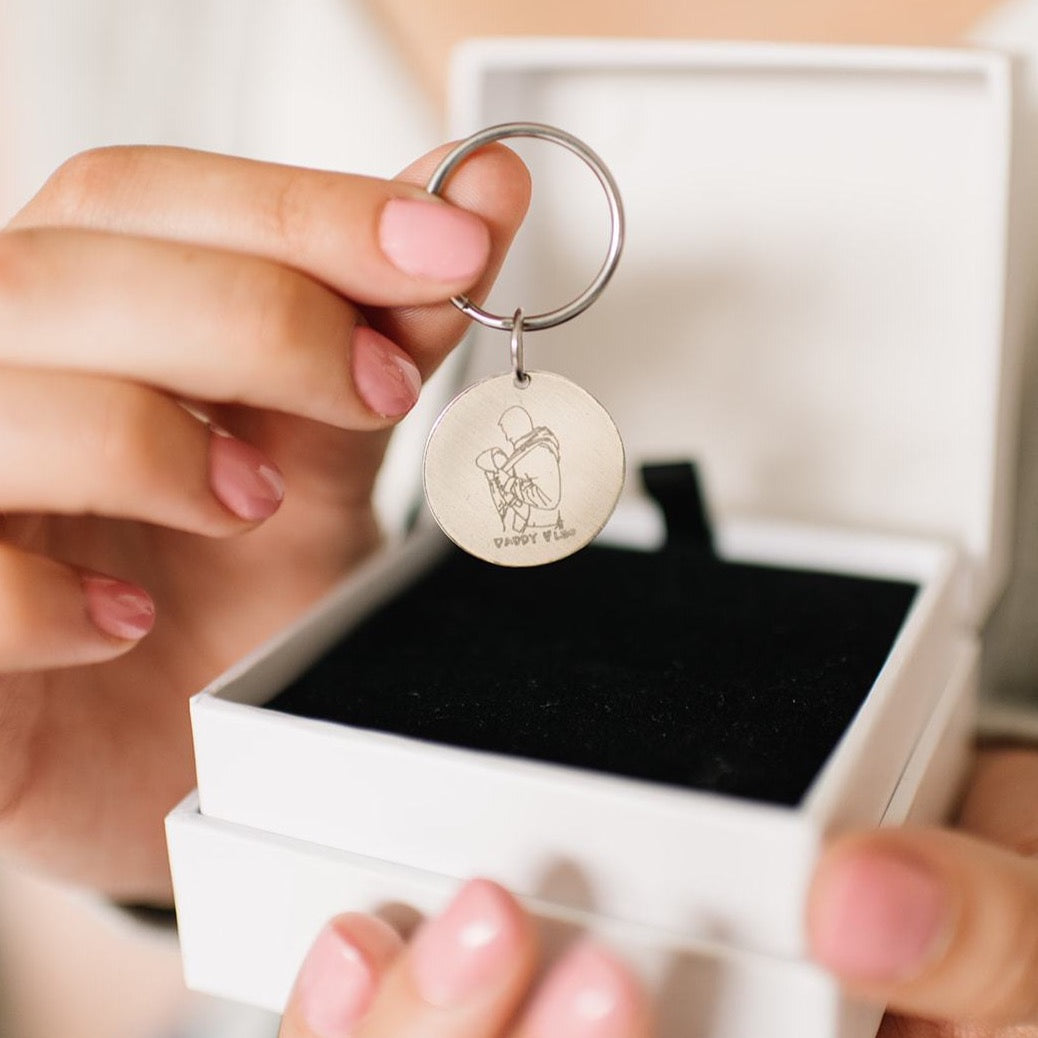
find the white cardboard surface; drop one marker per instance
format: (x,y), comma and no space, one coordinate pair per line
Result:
(646,853)
(811,300)
(249,904)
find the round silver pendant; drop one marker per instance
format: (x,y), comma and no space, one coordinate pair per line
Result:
(523,475)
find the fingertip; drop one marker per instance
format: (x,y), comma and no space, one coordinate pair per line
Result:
(590,993)
(493,183)
(340,976)
(878,915)
(481,940)
(376,939)
(509,185)
(117,608)
(244,479)
(935,923)
(384,376)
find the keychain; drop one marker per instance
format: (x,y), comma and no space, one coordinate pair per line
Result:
(524,468)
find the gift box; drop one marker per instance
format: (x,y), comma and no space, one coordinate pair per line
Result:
(775,639)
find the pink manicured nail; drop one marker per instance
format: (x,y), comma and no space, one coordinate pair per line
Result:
(877,917)
(470,946)
(336,984)
(589,994)
(243,479)
(118,608)
(385,377)
(433,240)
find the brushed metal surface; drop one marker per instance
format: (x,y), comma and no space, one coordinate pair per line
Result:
(523,475)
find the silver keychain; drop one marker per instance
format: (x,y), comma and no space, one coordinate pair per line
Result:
(525,468)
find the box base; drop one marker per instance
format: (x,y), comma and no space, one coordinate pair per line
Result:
(249,904)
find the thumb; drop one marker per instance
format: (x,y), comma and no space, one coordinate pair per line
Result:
(935,923)
(339,977)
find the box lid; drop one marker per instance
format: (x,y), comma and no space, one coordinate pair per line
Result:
(812,296)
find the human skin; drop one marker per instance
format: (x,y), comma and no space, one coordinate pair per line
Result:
(134,279)
(253,296)
(467,973)
(426,32)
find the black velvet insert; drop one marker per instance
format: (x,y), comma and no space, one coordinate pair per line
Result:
(672,666)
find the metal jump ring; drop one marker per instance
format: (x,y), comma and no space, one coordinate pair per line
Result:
(518,361)
(549,319)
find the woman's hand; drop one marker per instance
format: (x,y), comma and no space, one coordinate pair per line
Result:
(942,926)
(298,311)
(466,974)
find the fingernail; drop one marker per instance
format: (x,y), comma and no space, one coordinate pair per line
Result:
(877,917)
(245,480)
(589,994)
(118,608)
(385,377)
(470,946)
(433,240)
(336,984)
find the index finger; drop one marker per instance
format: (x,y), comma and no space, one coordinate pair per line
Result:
(378,242)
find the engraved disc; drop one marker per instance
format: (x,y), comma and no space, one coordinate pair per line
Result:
(523,475)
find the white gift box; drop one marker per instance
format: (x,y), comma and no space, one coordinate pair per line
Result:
(812,306)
